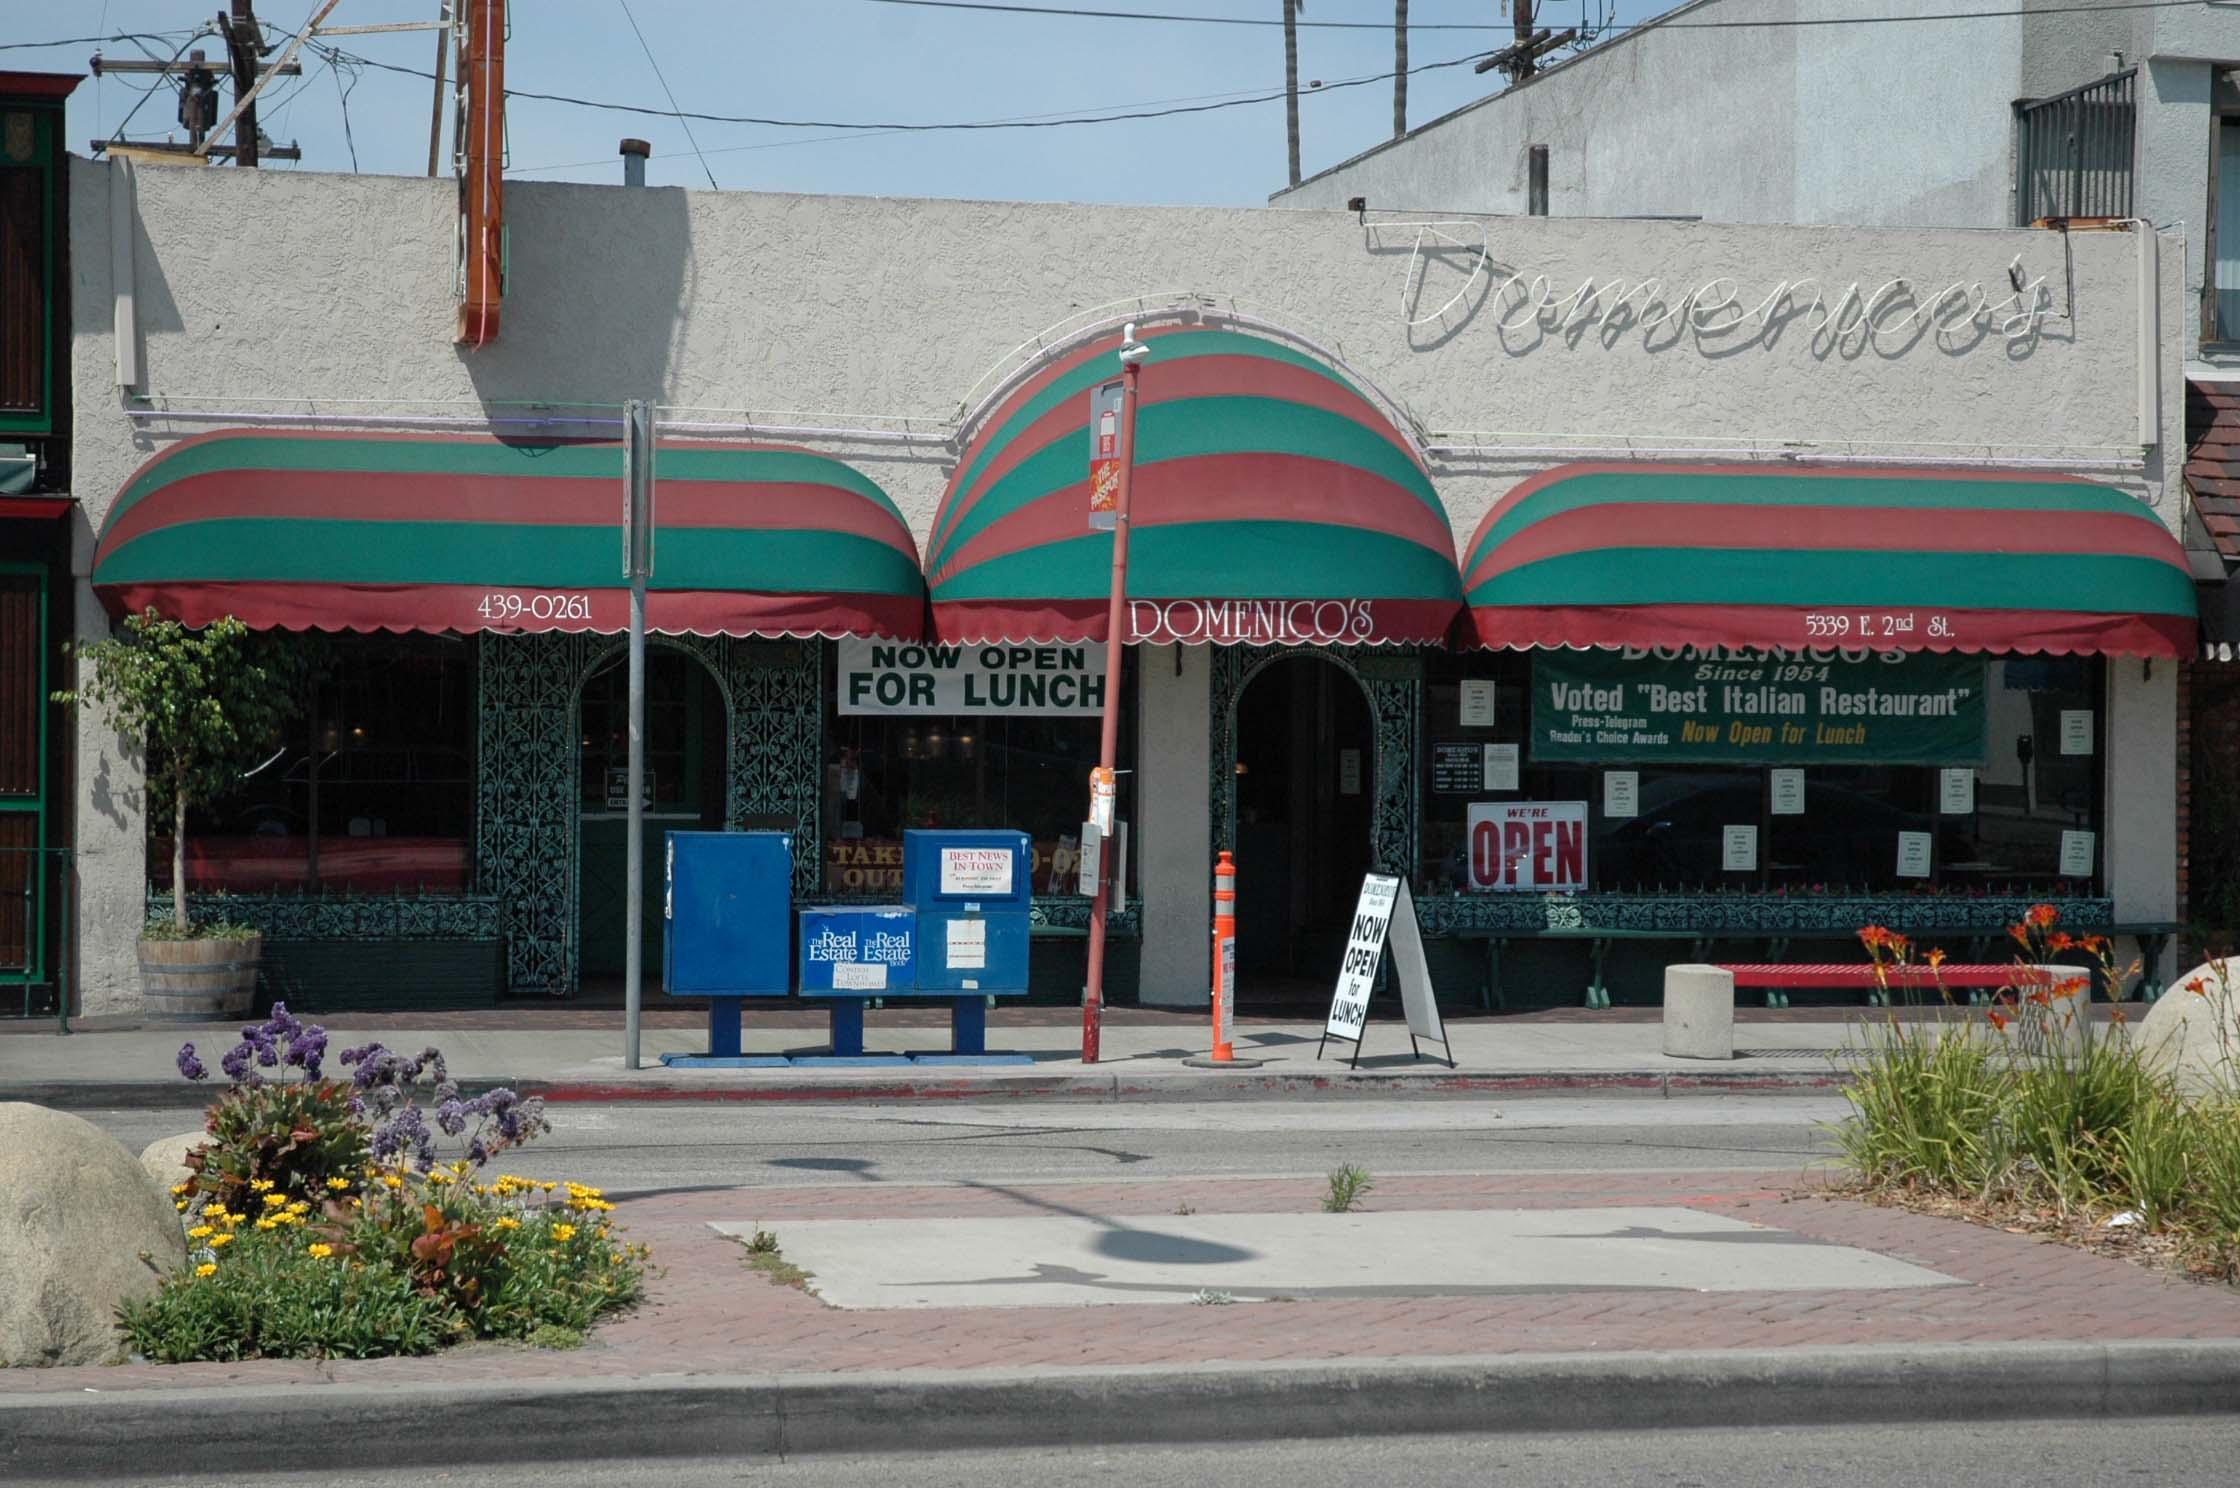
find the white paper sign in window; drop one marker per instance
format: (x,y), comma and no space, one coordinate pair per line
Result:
(1913,854)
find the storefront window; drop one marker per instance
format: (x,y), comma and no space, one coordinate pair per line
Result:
(1955,773)
(888,770)
(374,794)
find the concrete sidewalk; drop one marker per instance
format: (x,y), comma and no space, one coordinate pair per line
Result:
(1145,1056)
(720,1359)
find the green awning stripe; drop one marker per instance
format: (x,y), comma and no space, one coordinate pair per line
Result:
(1227,560)
(291,550)
(1913,493)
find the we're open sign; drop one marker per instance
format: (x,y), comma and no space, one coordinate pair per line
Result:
(1528,846)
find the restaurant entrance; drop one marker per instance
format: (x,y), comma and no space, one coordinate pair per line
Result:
(1306,774)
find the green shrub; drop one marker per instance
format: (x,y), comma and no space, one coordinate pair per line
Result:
(267,1294)
(1926,1103)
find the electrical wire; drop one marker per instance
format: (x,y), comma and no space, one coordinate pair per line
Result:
(665,91)
(1084,13)
(890,127)
(344,94)
(1130,115)
(63,41)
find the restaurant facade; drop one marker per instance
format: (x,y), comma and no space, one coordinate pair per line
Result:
(1632,587)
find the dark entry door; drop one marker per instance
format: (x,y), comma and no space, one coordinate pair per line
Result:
(23,774)
(685,748)
(1306,773)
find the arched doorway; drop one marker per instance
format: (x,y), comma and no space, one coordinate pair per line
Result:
(1306,777)
(686,755)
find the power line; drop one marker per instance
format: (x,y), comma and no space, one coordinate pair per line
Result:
(897,127)
(63,41)
(1084,13)
(175,56)
(1196,20)
(666,93)
(344,94)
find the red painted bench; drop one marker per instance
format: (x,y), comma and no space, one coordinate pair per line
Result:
(1776,978)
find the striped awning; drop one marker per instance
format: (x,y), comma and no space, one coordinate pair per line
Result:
(1271,502)
(1747,556)
(417,532)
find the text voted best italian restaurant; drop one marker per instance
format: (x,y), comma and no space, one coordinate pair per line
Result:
(1652,712)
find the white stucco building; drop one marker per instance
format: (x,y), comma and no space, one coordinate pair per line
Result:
(1365,445)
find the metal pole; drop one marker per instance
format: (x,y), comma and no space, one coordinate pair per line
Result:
(435,111)
(637,459)
(1108,750)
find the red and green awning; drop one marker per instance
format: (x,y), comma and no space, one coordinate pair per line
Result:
(1271,501)
(1746,556)
(420,532)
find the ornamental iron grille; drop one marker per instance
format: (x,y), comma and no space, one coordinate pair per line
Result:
(527,839)
(2073,152)
(1392,683)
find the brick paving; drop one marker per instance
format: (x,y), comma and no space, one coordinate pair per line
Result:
(706,1313)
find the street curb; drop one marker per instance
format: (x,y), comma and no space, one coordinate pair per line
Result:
(236,1430)
(754,1086)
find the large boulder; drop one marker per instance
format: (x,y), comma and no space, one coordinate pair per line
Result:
(166,1158)
(2193,1029)
(82,1228)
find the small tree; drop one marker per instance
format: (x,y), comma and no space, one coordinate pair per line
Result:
(204,704)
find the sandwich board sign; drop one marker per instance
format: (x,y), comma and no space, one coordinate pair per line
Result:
(1384,915)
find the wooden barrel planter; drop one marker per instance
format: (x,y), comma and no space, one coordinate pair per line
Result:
(199,981)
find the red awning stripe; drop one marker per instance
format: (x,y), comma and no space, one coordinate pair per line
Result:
(1777,627)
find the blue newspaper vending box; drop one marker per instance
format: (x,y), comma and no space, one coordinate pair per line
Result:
(727,902)
(973,892)
(859,951)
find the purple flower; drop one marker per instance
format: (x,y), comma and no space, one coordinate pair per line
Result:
(239,1067)
(452,1117)
(189,1065)
(307,1048)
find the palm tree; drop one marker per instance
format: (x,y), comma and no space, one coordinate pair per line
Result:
(1399,68)
(1291,9)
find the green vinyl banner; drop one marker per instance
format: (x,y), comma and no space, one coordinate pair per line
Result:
(1817,707)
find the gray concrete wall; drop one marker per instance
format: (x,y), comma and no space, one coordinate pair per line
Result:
(258,290)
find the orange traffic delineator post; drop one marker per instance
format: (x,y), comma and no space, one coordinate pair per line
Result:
(1224,958)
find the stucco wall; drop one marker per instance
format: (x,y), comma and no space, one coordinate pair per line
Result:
(257,290)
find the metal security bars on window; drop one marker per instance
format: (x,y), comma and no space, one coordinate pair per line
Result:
(2073,152)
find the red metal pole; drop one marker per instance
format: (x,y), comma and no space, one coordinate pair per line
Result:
(1108,752)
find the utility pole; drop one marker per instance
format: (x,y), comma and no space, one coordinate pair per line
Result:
(1399,68)
(1291,9)
(244,46)
(435,114)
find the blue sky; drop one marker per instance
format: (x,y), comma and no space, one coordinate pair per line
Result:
(846,60)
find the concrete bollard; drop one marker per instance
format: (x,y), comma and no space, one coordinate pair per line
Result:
(1698,1012)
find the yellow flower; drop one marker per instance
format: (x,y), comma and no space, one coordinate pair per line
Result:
(260,1184)
(221,1239)
(439,1177)
(287,1219)
(616,1258)
(274,1201)
(548,1187)
(506,1224)
(207,1268)
(201,1232)
(391,1181)
(300,1206)
(321,1252)
(356,1202)
(338,1184)
(563,1232)
(268,1224)
(178,1189)
(181,1206)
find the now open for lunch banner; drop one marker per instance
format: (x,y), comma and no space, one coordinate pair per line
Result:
(1752,707)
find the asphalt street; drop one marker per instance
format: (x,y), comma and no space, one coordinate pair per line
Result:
(639,1148)
(2164,1453)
